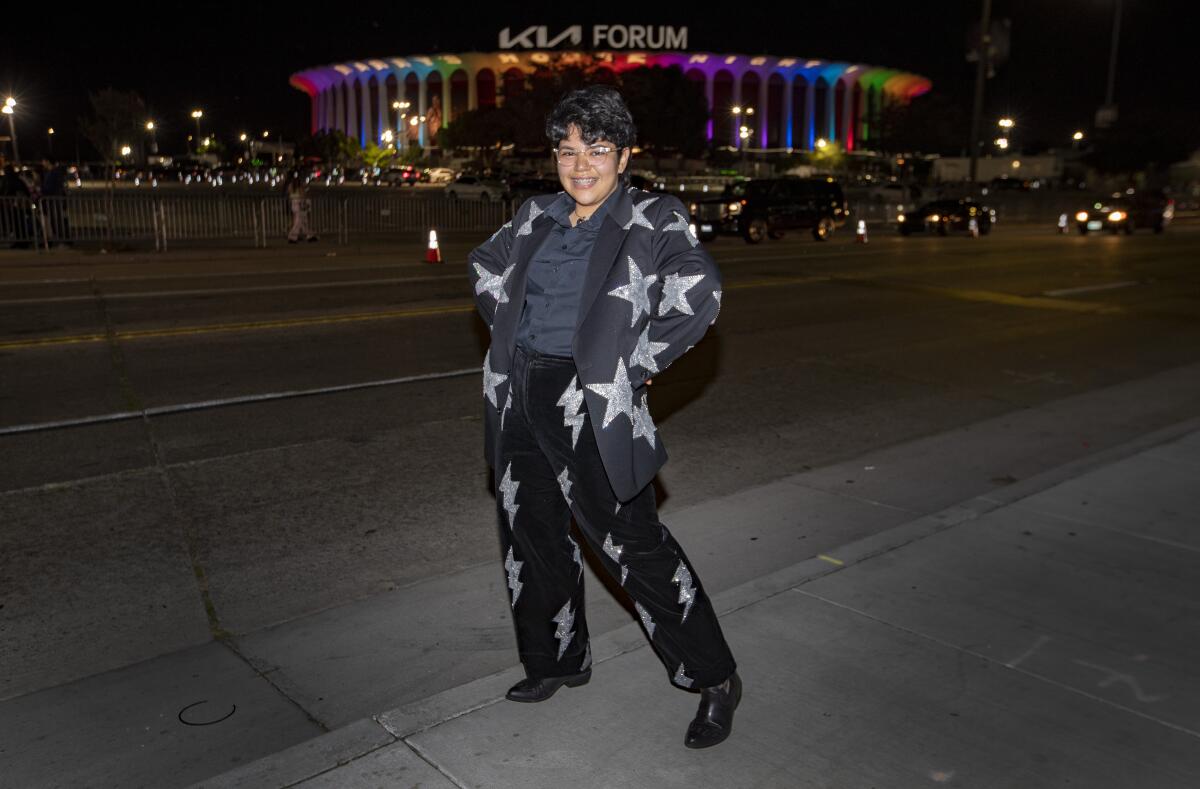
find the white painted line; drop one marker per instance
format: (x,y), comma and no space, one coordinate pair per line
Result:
(206,404)
(158,294)
(1089,289)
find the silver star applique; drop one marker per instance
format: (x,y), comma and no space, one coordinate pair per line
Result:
(566,620)
(638,217)
(619,395)
(527,226)
(492,283)
(717,296)
(687,595)
(571,401)
(645,352)
(491,379)
(681,679)
(681,223)
(564,484)
(507,407)
(618,509)
(637,292)
(508,489)
(643,425)
(647,622)
(514,573)
(674,295)
(575,555)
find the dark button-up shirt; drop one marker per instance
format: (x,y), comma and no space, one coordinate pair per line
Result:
(555,279)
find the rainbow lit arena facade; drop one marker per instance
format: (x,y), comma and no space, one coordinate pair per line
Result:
(796,101)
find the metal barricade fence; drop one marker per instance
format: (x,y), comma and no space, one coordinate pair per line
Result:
(117,217)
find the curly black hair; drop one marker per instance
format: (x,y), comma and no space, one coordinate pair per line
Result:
(598,111)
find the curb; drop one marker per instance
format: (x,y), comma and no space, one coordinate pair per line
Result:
(339,747)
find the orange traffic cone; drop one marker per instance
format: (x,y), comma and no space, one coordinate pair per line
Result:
(860,234)
(434,253)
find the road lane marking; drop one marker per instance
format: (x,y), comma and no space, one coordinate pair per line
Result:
(986,296)
(159,294)
(317,320)
(831,560)
(202,405)
(1089,289)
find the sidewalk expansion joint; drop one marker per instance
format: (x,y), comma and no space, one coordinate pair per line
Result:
(428,759)
(1011,666)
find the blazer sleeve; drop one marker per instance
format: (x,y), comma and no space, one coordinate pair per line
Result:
(689,294)
(489,268)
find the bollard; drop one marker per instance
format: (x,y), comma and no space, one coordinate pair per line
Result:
(1062,223)
(860,234)
(973,227)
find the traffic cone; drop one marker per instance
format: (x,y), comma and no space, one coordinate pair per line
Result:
(860,234)
(973,227)
(1062,223)
(434,253)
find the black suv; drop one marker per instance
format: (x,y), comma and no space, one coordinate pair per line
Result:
(766,208)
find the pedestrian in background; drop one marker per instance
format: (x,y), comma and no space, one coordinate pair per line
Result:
(588,294)
(297,194)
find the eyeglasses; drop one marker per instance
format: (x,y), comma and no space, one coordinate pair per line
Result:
(596,155)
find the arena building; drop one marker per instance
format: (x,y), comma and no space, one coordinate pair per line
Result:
(797,102)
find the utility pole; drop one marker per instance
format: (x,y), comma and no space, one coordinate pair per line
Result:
(985,45)
(1107,115)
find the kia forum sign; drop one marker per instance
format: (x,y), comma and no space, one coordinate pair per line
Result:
(602,37)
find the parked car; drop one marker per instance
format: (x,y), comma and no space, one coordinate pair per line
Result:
(1125,212)
(404,175)
(521,189)
(437,175)
(473,187)
(769,207)
(946,216)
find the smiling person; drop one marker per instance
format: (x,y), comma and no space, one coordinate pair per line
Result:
(588,294)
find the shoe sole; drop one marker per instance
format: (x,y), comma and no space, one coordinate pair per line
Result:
(574,682)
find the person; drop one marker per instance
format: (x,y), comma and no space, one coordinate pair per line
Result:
(53,205)
(588,293)
(297,193)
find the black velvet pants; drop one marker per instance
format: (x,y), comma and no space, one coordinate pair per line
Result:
(549,469)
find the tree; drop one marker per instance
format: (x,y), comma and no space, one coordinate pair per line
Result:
(375,157)
(670,110)
(331,146)
(118,118)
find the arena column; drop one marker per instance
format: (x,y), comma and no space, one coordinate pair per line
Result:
(385,121)
(447,109)
(709,95)
(810,114)
(847,130)
(737,102)
(789,84)
(764,119)
(339,120)
(351,110)
(365,133)
(422,91)
(472,89)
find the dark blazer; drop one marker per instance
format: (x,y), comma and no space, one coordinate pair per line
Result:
(650,293)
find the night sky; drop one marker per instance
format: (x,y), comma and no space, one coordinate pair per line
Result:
(235,64)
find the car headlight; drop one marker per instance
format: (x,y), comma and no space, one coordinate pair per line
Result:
(899,217)
(935,218)
(1081,216)
(735,208)
(1116,216)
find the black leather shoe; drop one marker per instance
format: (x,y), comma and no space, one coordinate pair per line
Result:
(534,690)
(714,719)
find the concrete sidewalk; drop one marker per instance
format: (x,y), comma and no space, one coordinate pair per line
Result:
(1044,634)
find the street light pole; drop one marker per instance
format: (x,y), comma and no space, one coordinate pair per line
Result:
(197,115)
(10,109)
(985,44)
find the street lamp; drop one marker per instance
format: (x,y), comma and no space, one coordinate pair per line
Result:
(1077,136)
(197,115)
(10,109)
(1006,123)
(152,130)
(1002,143)
(821,142)
(50,142)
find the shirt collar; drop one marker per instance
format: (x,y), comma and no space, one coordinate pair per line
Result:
(560,210)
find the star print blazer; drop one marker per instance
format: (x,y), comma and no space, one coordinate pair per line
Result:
(650,293)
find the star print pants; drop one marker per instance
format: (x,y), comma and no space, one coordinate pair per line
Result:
(550,469)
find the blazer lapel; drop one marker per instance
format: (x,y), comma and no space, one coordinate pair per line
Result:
(506,322)
(604,255)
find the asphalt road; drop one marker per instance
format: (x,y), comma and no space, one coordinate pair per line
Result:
(208,443)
